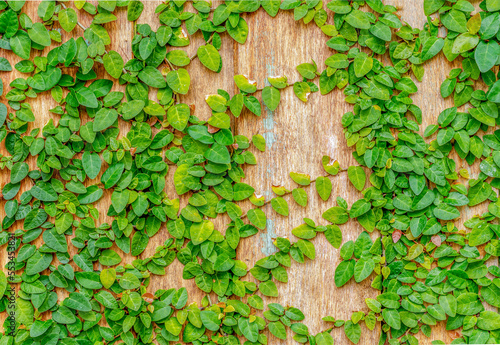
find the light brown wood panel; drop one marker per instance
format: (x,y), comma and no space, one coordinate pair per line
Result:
(297,136)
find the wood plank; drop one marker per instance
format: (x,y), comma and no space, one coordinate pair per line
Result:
(297,135)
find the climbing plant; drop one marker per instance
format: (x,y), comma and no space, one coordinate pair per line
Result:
(426,269)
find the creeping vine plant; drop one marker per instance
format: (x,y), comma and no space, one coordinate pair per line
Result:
(427,270)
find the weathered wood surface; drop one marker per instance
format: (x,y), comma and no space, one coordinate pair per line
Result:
(297,136)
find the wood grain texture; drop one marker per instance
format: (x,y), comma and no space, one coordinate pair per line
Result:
(297,136)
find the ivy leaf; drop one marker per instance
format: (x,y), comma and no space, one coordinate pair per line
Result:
(209,57)
(280,206)
(250,330)
(485,55)
(357,176)
(363,269)
(178,116)
(324,339)
(104,118)
(268,288)
(86,98)
(218,154)
(91,164)
(239,32)
(134,10)
(362,64)
(152,77)
(78,302)
(324,187)
(68,19)
(113,64)
(271,97)
(179,80)
(301,179)
(21,44)
(344,272)
(39,34)
(352,331)
(257,217)
(278,330)
(18,172)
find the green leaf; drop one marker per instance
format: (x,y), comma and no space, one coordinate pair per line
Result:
(242,191)
(300,196)
(363,269)
(86,98)
(493,5)
(352,331)
(446,212)
(479,193)
(324,339)
(239,33)
(344,272)
(129,281)
(244,84)
(488,320)
(68,19)
(109,257)
(134,10)
(304,231)
(278,330)
(362,64)
(357,177)
(464,42)
(18,172)
(178,116)
(218,154)
(209,57)
(112,175)
(280,206)
(78,302)
(3,283)
(269,289)
(431,6)
(271,97)
(152,77)
(455,21)
(250,330)
(334,235)
(493,94)
(257,217)
(21,44)
(324,187)
(38,262)
(113,64)
(392,318)
(179,81)
(336,215)
(486,55)
(271,7)
(200,232)
(302,90)
(358,19)
(104,118)
(260,142)
(39,34)
(35,218)
(210,320)
(301,179)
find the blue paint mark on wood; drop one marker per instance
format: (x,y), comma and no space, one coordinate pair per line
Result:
(268,247)
(268,122)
